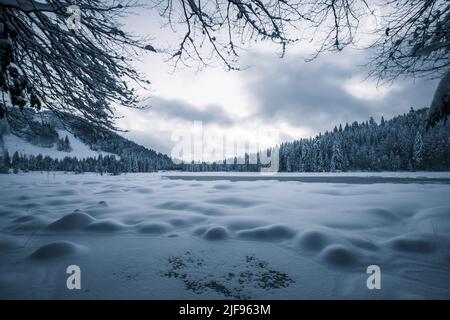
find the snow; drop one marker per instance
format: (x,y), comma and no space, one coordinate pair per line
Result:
(387,174)
(80,150)
(149,237)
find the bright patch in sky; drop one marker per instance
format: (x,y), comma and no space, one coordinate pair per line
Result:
(366,89)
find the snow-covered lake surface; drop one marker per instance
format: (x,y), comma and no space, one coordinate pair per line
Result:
(224,175)
(150,237)
(348,178)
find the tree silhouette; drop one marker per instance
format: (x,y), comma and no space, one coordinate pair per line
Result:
(81,70)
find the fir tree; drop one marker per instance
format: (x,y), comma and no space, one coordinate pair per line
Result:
(418,151)
(337,160)
(4,164)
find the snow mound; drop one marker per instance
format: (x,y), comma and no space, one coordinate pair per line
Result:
(103,203)
(65,192)
(381,213)
(313,240)
(268,233)
(340,256)
(245,223)
(175,205)
(412,244)
(56,249)
(73,221)
(216,233)
(182,222)
(143,190)
(223,186)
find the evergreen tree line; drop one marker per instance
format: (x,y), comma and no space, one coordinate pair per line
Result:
(63,145)
(101,164)
(236,164)
(400,144)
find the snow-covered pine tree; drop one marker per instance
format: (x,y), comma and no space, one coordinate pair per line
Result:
(418,151)
(63,144)
(4,162)
(7,159)
(337,159)
(67,146)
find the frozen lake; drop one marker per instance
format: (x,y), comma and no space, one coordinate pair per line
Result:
(315,178)
(197,236)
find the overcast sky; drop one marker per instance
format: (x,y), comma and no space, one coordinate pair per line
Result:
(287,98)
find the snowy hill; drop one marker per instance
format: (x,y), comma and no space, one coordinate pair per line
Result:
(13,143)
(31,134)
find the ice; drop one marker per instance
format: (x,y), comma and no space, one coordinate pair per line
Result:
(145,236)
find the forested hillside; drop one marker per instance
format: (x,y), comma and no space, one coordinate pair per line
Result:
(115,153)
(402,143)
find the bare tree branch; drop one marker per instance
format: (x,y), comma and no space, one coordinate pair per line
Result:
(80,71)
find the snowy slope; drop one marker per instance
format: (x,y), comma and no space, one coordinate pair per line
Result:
(43,129)
(80,150)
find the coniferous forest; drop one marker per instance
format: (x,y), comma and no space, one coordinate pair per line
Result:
(399,144)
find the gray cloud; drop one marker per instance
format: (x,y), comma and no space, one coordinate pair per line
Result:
(304,95)
(312,95)
(159,116)
(174,108)
(158,141)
